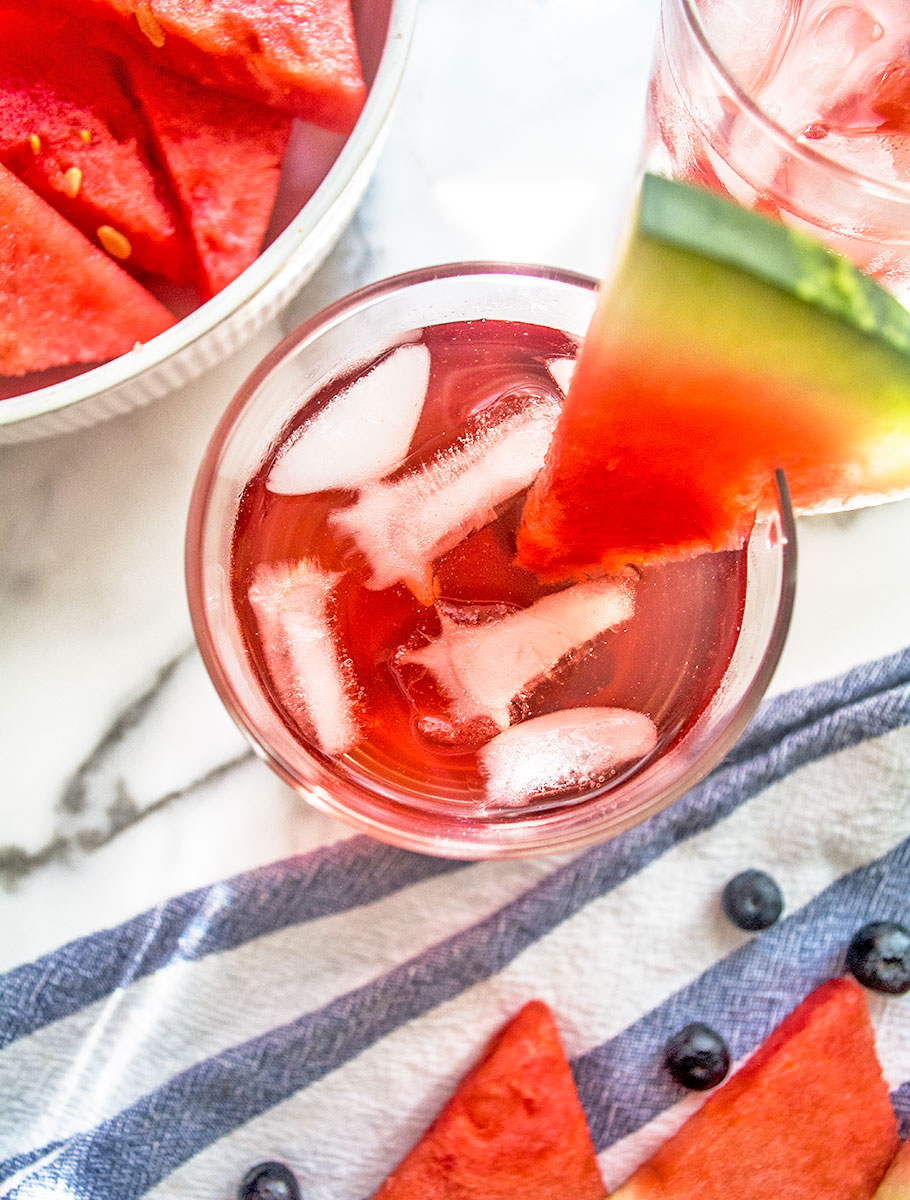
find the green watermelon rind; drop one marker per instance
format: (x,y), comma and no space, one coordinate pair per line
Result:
(707,223)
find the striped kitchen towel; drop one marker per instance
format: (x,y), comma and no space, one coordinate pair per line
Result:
(320,1009)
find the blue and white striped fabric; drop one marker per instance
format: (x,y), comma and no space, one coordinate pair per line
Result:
(319,1010)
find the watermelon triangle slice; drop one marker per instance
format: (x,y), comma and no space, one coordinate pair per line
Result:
(224,158)
(71,132)
(61,299)
(724,347)
(807,1117)
(298,55)
(513,1130)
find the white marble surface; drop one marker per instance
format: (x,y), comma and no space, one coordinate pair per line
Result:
(122,781)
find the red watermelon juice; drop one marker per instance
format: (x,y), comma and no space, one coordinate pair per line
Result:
(408,674)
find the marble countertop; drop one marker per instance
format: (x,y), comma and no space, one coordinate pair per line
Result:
(122,781)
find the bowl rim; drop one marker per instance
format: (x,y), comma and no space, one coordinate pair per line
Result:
(267,268)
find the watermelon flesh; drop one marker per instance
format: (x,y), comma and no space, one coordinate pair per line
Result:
(698,379)
(224,157)
(890,97)
(896,1184)
(808,1116)
(513,1130)
(299,55)
(61,299)
(70,131)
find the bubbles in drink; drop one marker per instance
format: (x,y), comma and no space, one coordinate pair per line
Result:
(569,751)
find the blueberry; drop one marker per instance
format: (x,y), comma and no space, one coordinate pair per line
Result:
(752,900)
(879,957)
(697,1057)
(269,1181)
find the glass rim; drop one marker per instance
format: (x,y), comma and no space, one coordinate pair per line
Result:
(888,190)
(346,306)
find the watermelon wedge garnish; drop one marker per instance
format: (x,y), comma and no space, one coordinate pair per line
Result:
(61,299)
(224,157)
(71,132)
(724,347)
(297,55)
(513,1130)
(896,1184)
(807,1117)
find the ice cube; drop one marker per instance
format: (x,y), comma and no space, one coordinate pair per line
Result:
(482,668)
(562,751)
(291,603)
(827,59)
(561,370)
(362,434)
(749,38)
(819,77)
(402,525)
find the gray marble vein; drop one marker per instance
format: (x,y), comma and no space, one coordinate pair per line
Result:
(111,789)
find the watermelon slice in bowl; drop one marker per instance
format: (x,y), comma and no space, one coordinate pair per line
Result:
(323,177)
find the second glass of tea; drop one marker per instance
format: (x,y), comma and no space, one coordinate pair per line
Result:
(795,108)
(355,593)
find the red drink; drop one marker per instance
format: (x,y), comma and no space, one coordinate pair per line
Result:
(353,586)
(665,657)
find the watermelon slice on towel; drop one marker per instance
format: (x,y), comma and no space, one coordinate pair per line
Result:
(807,1117)
(513,1130)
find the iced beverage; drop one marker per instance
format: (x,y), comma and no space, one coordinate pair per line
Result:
(373,631)
(799,108)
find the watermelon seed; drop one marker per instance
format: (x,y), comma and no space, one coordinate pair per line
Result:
(72,182)
(148,23)
(86,135)
(697,1057)
(114,242)
(35,142)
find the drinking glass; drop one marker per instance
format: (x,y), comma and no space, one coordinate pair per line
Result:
(421,814)
(797,108)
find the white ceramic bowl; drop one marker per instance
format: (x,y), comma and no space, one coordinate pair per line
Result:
(306,225)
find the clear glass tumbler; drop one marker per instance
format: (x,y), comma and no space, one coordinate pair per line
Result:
(743,599)
(797,108)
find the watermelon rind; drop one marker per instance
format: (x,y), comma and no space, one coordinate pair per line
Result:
(704,222)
